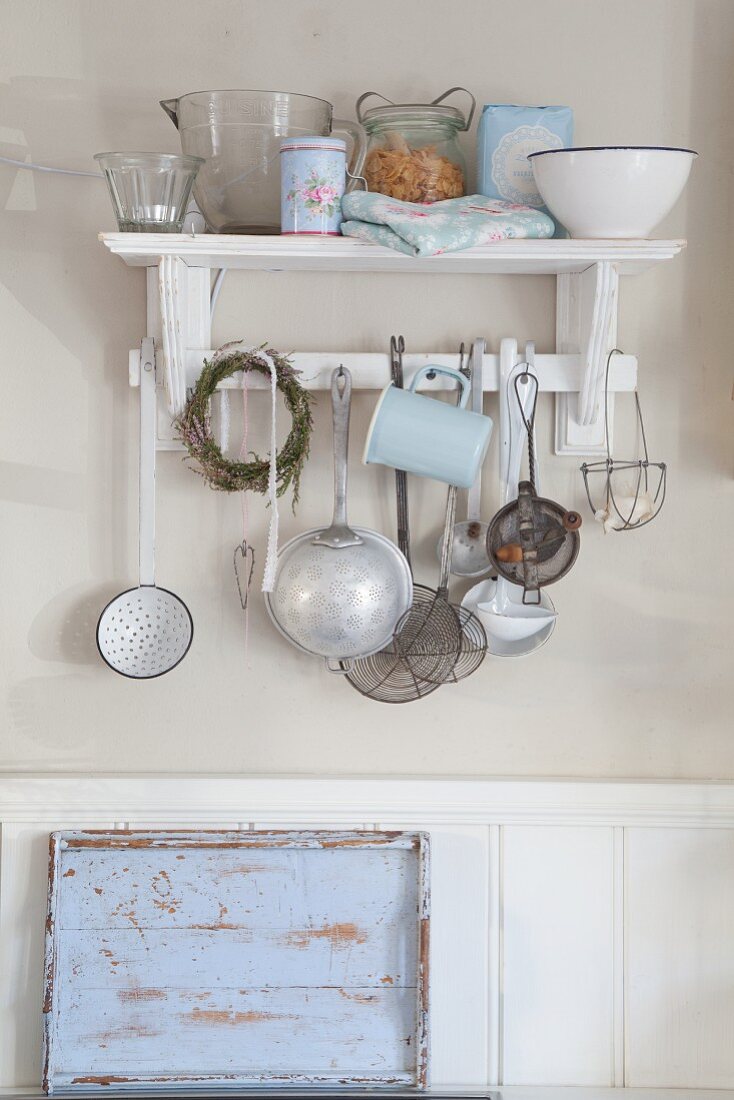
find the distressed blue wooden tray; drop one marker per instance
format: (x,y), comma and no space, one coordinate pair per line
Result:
(230,959)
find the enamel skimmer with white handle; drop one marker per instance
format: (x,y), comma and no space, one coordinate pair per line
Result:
(147,630)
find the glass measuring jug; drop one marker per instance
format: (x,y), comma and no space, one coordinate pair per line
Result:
(238,134)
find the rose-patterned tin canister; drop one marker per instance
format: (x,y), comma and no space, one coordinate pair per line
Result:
(312,179)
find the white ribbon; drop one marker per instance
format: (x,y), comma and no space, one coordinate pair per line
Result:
(271,557)
(224,420)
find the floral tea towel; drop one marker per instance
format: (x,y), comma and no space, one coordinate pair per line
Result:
(429,229)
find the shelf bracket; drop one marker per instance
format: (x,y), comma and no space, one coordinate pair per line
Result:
(171,297)
(586,323)
(179,319)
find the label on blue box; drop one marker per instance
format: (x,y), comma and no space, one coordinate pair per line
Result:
(507,134)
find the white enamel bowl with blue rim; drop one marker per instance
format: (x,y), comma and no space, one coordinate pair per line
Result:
(611,192)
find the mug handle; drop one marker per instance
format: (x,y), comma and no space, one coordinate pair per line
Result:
(359,138)
(460,378)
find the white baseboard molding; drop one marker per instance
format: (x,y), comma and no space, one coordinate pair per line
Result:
(454,801)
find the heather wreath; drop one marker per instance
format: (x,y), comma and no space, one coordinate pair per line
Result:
(195,431)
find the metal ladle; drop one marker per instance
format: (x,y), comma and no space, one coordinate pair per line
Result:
(469,557)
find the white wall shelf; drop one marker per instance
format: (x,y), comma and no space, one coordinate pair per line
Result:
(179,314)
(266,253)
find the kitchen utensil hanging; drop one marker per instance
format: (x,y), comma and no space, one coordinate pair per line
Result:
(387,676)
(513,629)
(145,631)
(639,505)
(441,642)
(339,591)
(469,552)
(532,541)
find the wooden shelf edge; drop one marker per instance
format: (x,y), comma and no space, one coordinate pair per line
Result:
(272,253)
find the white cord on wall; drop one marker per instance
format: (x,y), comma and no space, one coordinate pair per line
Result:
(30,166)
(45,168)
(216,288)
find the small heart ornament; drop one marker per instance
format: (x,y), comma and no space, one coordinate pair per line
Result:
(244,567)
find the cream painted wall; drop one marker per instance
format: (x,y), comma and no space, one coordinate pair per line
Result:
(637,679)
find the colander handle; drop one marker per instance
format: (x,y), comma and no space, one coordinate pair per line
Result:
(147,463)
(339,535)
(341,396)
(339,666)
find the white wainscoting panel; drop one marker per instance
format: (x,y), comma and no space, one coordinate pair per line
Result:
(680,957)
(582,932)
(558,944)
(459,972)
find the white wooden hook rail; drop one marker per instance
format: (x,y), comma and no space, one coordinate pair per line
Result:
(587,273)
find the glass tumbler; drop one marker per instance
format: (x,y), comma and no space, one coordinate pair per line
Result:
(149,191)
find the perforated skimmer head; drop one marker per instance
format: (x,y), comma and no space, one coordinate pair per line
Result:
(144,632)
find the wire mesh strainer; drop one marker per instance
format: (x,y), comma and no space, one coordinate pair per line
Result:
(435,642)
(386,676)
(442,643)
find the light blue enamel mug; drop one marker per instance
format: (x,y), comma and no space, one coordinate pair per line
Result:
(428,438)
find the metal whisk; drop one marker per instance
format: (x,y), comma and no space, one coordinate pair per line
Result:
(625,514)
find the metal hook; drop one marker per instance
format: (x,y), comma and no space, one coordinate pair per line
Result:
(528,363)
(524,377)
(397,347)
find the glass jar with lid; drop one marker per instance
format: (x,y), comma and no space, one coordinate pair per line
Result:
(413,150)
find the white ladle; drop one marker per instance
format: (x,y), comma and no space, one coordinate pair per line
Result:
(506,619)
(469,557)
(483,593)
